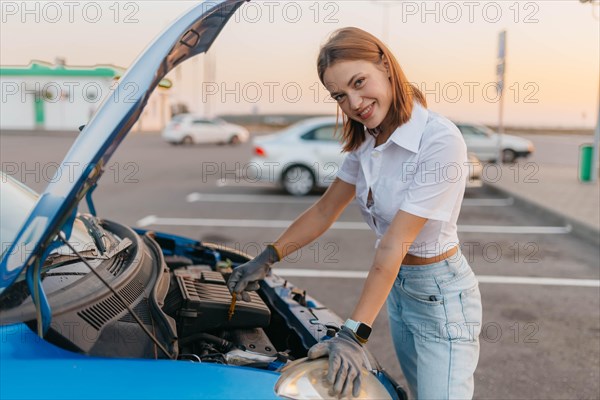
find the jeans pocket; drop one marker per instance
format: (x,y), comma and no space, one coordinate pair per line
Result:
(463,310)
(458,269)
(422,291)
(445,278)
(472,310)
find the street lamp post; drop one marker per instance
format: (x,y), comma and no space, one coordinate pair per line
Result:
(500,73)
(386,18)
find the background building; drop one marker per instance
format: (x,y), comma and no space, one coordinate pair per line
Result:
(43,96)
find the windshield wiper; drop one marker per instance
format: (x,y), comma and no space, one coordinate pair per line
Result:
(57,258)
(106,245)
(95,232)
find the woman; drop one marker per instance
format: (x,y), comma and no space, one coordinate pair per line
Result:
(407,168)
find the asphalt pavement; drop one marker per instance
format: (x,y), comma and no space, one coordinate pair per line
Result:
(548,182)
(539,281)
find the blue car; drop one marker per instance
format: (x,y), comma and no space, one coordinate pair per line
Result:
(91,308)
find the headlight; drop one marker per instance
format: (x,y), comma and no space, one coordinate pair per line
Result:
(304,379)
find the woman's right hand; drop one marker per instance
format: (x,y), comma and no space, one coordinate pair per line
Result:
(245,277)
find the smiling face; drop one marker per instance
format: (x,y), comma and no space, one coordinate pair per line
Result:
(362,89)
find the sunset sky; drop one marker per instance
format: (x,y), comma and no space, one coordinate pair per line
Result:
(448,49)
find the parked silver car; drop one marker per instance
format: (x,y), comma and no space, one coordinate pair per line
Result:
(192,129)
(483,141)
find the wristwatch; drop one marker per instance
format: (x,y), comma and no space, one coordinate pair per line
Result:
(360,330)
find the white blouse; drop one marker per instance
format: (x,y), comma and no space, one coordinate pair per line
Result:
(422,169)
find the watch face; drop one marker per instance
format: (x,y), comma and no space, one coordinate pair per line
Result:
(363,330)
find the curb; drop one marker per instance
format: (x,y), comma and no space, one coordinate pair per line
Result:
(38,133)
(61,133)
(581,230)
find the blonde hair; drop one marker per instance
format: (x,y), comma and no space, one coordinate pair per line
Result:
(351,44)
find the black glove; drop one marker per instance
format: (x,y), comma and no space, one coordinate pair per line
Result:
(245,277)
(346,361)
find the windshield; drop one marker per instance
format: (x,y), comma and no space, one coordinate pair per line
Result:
(487,131)
(16,202)
(300,126)
(178,118)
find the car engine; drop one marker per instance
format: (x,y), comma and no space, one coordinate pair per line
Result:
(181,300)
(199,301)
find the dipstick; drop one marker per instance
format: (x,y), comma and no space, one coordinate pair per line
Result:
(231,306)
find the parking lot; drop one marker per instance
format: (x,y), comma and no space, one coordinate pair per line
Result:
(541,332)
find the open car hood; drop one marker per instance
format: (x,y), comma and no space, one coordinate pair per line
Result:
(191,34)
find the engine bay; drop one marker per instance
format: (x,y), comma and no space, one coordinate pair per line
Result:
(176,289)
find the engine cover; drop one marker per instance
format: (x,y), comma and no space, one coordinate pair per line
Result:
(203,305)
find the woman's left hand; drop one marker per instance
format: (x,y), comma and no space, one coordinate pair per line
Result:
(346,361)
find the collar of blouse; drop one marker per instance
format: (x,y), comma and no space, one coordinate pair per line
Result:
(407,135)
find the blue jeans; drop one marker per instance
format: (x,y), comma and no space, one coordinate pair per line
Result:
(435,319)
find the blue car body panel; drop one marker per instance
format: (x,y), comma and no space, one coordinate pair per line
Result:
(31,367)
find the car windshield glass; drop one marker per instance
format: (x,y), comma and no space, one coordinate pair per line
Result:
(326,133)
(300,126)
(484,130)
(16,202)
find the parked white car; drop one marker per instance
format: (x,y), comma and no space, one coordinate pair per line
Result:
(483,141)
(192,129)
(307,156)
(302,157)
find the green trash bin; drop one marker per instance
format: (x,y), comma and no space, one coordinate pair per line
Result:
(585,162)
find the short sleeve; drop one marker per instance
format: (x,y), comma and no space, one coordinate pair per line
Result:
(439,179)
(349,170)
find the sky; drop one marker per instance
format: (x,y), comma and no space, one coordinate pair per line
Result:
(265,58)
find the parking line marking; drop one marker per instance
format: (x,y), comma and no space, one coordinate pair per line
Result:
(348,225)
(548,230)
(266,198)
(489,202)
(519,280)
(238,223)
(523,280)
(247,198)
(321,273)
(149,220)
